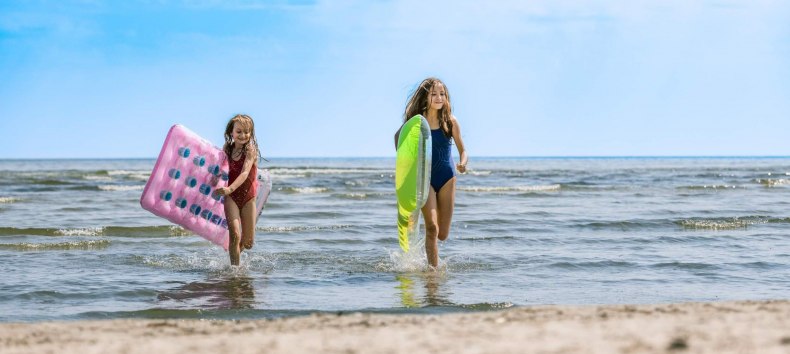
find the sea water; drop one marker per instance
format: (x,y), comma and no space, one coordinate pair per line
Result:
(75,243)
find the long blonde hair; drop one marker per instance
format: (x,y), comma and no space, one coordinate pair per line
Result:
(245,121)
(418,104)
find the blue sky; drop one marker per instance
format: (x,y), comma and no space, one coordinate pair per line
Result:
(330,78)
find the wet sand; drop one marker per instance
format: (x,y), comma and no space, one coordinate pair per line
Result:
(725,327)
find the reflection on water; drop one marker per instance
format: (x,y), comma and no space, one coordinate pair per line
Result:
(234,292)
(423,289)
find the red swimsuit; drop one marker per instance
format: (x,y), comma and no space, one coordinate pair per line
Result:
(247,190)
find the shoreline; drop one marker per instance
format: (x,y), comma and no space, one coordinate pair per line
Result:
(711,327)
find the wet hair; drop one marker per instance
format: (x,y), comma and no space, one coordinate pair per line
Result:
(418,104)
(246,122)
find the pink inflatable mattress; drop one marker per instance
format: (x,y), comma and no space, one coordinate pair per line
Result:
(181,187)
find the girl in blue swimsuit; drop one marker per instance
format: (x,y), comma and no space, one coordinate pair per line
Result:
(432,101)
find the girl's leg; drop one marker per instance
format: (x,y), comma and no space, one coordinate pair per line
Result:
(445,202)
(248,219)
(431,229)
(234,229)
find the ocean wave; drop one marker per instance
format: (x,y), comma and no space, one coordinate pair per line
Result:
(304,190)
(9,200)
(75,245)
(592,265)
(686,265)
(281,229)
(116,188)
(46,182)
(711,186)
(176,230)
(326,171)
(97,178)
(115,231)
(355,196)
(539,188)
(136,175)
(87,231)
(126,172)
(622,225)
(356,183)
(773,182)
(730,223)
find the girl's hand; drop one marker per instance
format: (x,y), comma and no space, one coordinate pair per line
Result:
(461,167)
(223,191)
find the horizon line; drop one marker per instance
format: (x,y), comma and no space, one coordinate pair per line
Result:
(392,157)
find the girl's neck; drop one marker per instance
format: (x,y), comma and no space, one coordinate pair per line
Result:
(432,115)
(237,145)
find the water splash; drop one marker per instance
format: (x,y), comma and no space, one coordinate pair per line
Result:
(213,261)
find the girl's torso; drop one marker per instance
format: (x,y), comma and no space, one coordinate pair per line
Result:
(441,160)
(440,142)
(235,168)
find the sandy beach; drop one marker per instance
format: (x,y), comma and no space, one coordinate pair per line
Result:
(726,327)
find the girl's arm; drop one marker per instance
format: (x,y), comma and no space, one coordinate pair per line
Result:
(250,162)
(459,143)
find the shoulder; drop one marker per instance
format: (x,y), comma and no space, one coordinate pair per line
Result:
(251,152)
(454,121)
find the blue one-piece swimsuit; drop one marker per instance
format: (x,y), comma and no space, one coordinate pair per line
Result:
(442,167)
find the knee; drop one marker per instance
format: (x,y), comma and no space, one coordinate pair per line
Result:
(443,235)
(431,230)
(234,237)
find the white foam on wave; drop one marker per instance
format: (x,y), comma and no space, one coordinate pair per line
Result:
(125,172)
(714,186)
(356,183)
(325,171)
(768,182)
(355,195)
(132,174)
(97,178)
(86,231)
(479,173)
(176,230)
(113,188)
(308,190)
(91,244)
(9,200)
(719,224)
(539,188)
(300,228)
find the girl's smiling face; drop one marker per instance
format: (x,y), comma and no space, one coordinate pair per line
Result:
(241,133)
(436,97)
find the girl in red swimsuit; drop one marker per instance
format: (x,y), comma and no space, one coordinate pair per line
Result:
(241,148)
